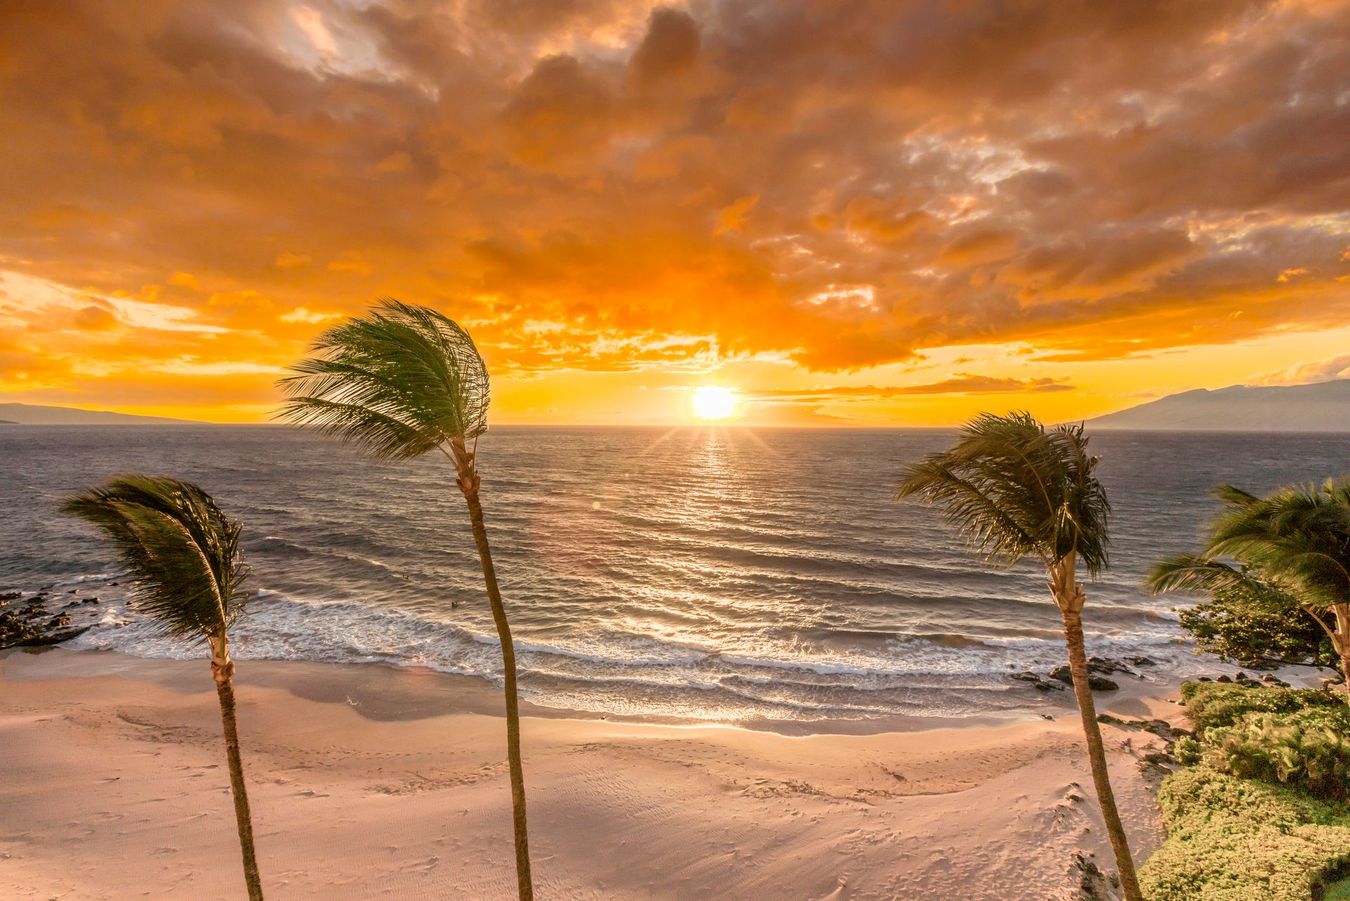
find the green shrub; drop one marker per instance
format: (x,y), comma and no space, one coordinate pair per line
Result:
(1307,749)
(1231,839)
(1214,704)
(1186,750)
(1338,891)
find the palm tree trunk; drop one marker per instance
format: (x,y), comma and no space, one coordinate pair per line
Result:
(224,678)
(469,485)
(1071,611)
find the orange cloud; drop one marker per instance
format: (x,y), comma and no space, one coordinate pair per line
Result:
(826,187)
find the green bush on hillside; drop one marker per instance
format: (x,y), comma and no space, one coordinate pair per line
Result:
(1306,749)
(1232,839)
(1215,704)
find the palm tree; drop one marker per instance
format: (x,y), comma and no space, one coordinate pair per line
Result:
(1296,540)
(183,555)
(398,383)
(1017,490)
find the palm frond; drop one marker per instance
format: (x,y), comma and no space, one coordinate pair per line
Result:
(1015,489)
(399,382)
(1190,572)
(181,550)
(1296,539)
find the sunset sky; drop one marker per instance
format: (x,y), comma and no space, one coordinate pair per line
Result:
(889,213)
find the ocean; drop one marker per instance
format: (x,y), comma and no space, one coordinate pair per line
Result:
(704,573)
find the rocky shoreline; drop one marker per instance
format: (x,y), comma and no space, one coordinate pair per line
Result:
(1099,668)
(28,621)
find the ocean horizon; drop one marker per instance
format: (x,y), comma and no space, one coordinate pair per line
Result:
(698,573)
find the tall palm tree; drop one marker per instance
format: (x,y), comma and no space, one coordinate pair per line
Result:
(1017,490)
(398,383)
(184,557)
(1296,539)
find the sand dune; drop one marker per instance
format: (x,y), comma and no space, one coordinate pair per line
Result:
(368,782)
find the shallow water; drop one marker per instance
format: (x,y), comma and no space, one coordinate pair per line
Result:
(710,573)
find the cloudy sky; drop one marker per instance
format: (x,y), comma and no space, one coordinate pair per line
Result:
(898,212)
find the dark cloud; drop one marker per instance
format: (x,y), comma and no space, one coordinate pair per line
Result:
(669,47)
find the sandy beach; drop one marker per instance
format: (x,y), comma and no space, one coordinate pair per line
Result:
(370,781)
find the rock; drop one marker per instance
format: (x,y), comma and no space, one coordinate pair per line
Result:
(1038,682)
(1092,884)
(1106,666)
(41,640)
(1225,679)
(1141,661)
(1095,682)
(32,625)
(1161,728)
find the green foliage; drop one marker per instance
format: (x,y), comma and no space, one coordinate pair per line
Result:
(1214,704)
(1232,839)
(398,383)
(1297,536)
(1308,749)
(1260,811)
(1016,489)
(1296,539)
(1340,891)
(1186,750)
(1257,626)
(182,552)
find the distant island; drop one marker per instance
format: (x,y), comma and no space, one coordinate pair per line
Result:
(1323,407)
(37,414)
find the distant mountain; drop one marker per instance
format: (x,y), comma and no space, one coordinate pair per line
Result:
(36,414)
(1323,407)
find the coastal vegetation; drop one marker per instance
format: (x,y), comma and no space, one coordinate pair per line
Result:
(398,383)
(1254,625)
(1295,540)
(1017,489)
(1260,810)
(184,557)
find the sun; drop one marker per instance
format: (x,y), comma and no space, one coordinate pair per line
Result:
(714,402)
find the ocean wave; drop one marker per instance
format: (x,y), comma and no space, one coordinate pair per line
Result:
(732,577)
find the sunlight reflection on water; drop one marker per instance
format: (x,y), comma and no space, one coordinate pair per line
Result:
(709,572)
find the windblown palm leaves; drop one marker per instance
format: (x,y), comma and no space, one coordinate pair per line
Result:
(188,573)
(1016,489)
(1296,539)
(401,382)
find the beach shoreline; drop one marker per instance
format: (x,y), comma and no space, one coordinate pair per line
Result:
(371,781)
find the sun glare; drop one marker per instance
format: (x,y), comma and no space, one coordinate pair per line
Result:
(713,402)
